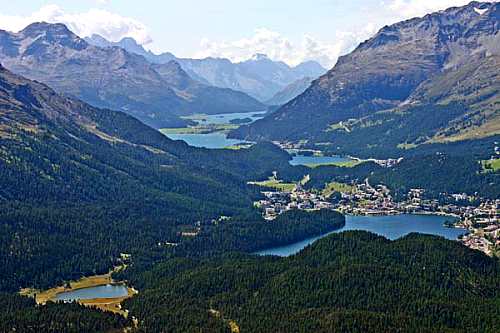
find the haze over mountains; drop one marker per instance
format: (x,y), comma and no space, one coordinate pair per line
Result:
(259,77)
(114,78)
(291,91)
(424,80)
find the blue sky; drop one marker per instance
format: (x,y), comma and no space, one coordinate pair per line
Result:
(291,31)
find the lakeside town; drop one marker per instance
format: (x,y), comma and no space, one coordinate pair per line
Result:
(481,221)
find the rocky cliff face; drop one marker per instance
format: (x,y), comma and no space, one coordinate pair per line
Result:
(419,61)
(107,77)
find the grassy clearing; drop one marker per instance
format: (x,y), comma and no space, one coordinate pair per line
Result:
(276,184)
(332,187)
(182,130)
(491,165)
(305,180)
(347,164)
(201,129)
(489,128)
(407,146)
(238,147)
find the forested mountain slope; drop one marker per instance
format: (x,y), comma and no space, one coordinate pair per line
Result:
(348,282)
(80,185)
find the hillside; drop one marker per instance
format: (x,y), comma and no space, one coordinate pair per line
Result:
(259,77)
(431,79)
(111,77)
(348,282)
(97,183)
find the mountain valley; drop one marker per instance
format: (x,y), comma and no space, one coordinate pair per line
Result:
(144,192)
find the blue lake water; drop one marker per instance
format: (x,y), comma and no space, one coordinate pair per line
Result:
(106,291)
(211,140)
(307,160)
(215,140)
(391,227)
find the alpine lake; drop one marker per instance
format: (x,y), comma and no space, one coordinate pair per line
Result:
(211,131)
(99,291)
(391,227)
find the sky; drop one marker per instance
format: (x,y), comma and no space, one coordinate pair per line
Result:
(288,30)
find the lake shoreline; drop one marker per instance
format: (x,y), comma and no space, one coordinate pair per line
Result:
(105,304)
(386,228)
(210,131)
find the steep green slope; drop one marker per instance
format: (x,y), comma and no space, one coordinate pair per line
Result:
(348,282)
(81,185)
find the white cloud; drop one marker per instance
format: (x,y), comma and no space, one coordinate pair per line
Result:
(278,47)
(109,25)
(415,8)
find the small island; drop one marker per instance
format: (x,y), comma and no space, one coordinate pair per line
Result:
(240,121)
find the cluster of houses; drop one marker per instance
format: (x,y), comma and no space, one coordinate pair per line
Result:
(388,163)
(482,222)
(377,200)
(277,202)
(367,200)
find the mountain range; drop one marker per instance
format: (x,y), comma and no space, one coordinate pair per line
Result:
(259,77)
(89,191)
(114,78)
(422,81)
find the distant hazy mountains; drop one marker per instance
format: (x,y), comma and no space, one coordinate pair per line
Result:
(290,92)
(259,77)
(114,78)
(424,80)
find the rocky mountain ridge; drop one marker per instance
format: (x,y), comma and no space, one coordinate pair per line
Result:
(111,77)
(259,76)
(449,58)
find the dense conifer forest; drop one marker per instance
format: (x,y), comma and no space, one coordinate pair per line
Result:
(349,282)
(21,314)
